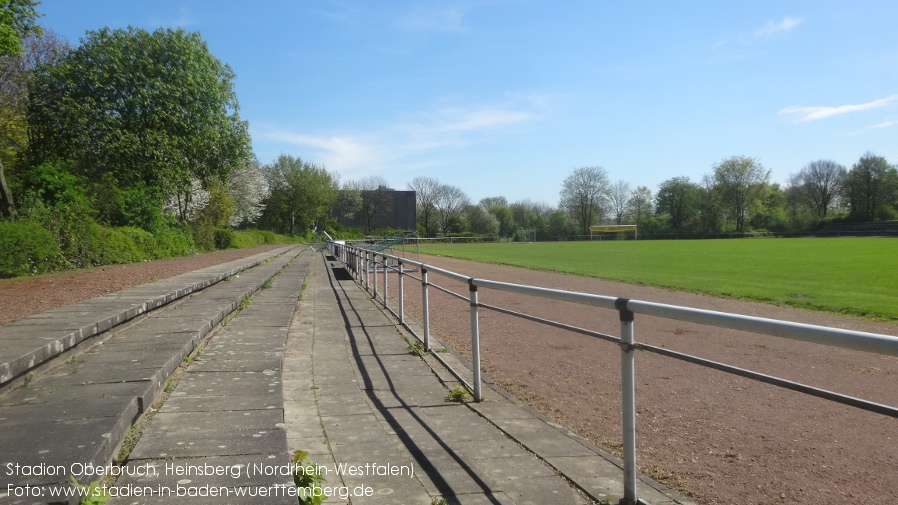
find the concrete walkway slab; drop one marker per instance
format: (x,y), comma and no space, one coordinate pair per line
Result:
(378,405)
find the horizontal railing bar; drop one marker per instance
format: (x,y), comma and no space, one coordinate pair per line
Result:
(449,292)
(775,381)
(549,322)
(413,277)
(446,273)
(552,294)
(849,339)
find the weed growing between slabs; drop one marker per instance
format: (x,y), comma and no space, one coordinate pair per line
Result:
(458,395)
(307,477)
(417,348)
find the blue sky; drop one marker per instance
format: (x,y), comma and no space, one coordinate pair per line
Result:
(508,97)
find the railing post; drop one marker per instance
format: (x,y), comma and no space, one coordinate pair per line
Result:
(425,309)
(475,341)
(401,301)
(367,271)
(628,400)
(386,283)
(374,257)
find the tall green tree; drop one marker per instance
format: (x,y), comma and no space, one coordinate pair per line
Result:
(641,206)
(584,196)
(493,201)
(678,198)
(740,181)
(18,18)
(480,221)
(872,188)
(300,195)
(17,21)
(156,110)
(505,217)
(348,202)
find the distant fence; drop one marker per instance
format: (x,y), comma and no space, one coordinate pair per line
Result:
(367,265)
(886,229)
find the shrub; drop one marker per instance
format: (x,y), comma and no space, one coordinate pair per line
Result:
(111,246)
(885,213)
(224,238)
(173,239)
(254,238)
(27,248)
(203,237)
(56,198)
(145,242)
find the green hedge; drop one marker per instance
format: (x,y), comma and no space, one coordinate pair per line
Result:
(255,238)
(173,240)
(111,246)
(27,248)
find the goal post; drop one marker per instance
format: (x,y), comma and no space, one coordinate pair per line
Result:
(612,228)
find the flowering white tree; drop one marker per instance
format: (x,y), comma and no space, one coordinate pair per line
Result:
(185,205)
(248,188)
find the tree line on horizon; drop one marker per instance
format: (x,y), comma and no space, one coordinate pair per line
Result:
(736,197)
(131,146)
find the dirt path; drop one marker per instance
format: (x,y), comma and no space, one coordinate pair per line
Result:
(718,438)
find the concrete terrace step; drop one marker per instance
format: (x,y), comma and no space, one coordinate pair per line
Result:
(78,412)
(30,342)
(227,412)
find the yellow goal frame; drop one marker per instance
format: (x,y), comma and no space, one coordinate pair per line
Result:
(613,228)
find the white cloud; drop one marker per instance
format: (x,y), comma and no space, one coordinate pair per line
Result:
(445,19)
(336,153)
(184,19)
(802,114)
(476,120)
(886,124)
(773,28)
(403,144)
(744,46)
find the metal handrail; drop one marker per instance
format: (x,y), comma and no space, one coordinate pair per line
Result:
(877,343)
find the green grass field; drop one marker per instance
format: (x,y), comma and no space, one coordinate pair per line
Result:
(857,276)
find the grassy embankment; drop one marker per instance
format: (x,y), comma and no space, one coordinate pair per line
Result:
(855,276)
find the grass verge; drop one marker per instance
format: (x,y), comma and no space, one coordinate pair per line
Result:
(854,276)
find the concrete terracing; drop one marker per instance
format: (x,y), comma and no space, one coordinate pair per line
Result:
(73,413)
(330,374)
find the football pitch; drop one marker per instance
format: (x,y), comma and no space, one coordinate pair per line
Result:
(856,276)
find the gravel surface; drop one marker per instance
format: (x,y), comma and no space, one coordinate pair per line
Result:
(718,438)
